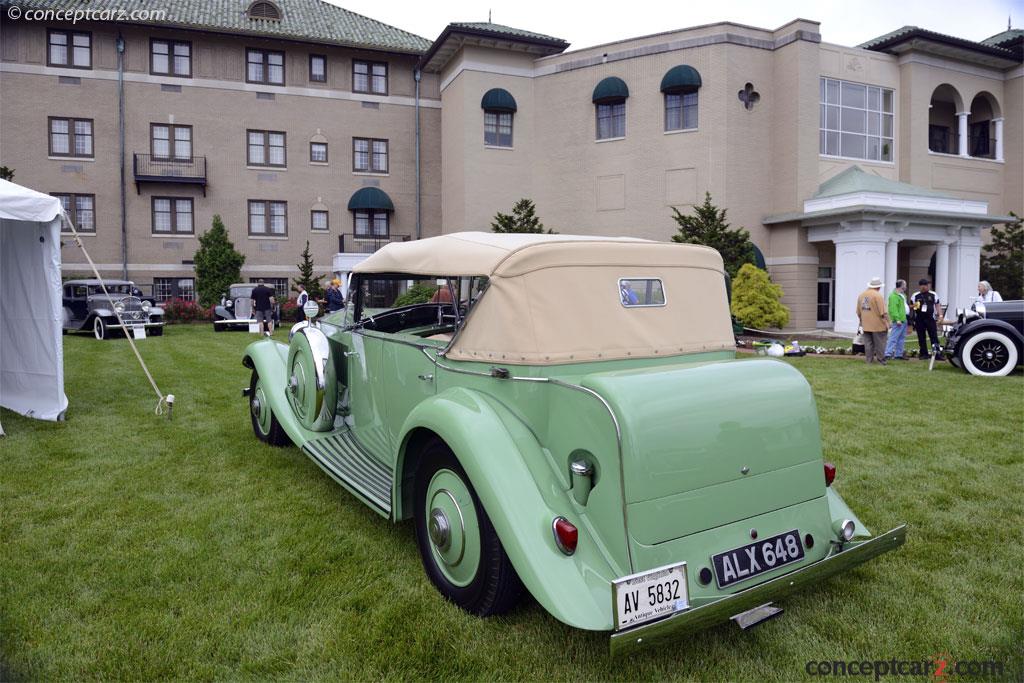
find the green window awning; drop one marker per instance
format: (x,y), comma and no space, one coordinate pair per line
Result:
(498,99)
(610,90)
(370,199)
(680,79)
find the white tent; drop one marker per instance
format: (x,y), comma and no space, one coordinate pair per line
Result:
(31,310)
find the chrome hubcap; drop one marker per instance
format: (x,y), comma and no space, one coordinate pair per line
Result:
(256,407)
(439,529)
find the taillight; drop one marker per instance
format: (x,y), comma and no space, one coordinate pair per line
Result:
(566,535)
(830,473)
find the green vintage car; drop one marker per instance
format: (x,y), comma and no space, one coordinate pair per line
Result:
(566,415)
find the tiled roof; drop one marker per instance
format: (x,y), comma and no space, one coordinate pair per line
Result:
(306,20)
(509,31)
(856,179)
(1007,36)
(883,42)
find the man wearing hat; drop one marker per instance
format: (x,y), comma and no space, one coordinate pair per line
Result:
(926,309)
(874,321)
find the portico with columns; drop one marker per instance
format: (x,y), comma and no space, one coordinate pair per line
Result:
(871,221)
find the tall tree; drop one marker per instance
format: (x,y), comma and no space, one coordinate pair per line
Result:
(307,278)
(6,173)
(708,227)
(1002,259)
(522,219)
(218,264)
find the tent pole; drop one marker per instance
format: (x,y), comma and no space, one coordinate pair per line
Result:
(120,117)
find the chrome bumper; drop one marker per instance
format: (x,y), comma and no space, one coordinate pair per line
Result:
(722,610)
(234,321)
(130,325)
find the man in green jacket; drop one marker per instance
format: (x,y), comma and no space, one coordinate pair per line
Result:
(898,310)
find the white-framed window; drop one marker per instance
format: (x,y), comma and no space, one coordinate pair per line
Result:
(856,120)
(680,111)
(498,128)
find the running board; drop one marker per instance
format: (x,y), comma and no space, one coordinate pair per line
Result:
(348,463)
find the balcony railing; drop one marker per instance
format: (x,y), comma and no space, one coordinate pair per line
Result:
(150,169)
(366,244)
(977,147)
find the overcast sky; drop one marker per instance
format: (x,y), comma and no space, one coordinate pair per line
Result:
(593,22)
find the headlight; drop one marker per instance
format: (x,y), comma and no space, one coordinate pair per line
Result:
(119,307)
(145,307)
(228,303)
(979,308)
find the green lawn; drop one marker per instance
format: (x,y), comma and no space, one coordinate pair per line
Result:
(136,547)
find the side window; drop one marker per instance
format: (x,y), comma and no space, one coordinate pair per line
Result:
(415,305)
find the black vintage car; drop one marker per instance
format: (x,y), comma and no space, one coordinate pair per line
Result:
(988,338)
(235,309)
(87,308)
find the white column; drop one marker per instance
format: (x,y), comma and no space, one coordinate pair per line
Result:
(942,271)
(998,134)
(954,297)
(891,249)
(962,131)
(858,259)
(968,255)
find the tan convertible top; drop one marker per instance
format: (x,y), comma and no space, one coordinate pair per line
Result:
(556,298)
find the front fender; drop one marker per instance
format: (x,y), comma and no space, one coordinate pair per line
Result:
(270,360)
(102,312)
(222,312)
(496,451)
(981,324)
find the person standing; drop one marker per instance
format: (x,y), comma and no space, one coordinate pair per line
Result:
(926,309)
(263,307)
(300,314)
(986,294)
(335,299)
(898,310)
(874,320)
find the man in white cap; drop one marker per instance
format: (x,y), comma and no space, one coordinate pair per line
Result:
(874,321)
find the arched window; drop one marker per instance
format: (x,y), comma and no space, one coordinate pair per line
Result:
(610,108)
(680,85)
(943,127)
(261,9)
(984,127)
(499,108)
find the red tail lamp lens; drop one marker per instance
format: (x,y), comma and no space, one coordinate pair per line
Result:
(830,473)
(566,535)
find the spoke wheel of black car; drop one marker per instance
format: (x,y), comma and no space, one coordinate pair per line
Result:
(461,552)
(989,353)
(264,423)
(99,328)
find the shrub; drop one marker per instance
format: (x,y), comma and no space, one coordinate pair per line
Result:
(756,300)
(289,309)
(181,311)
(218,264)
(419,293)
(708,226)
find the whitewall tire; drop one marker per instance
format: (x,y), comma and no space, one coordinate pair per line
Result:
(989,353)
(99,328)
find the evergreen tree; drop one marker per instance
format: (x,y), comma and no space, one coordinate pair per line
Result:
(1002,259)
(6,173)
(522,219)
(756,300)
(709,227)
(218,264)
(306,277)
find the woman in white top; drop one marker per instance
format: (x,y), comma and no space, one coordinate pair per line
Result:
(986,293)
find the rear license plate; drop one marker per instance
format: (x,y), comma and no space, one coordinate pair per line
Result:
(642,597)
(748,561)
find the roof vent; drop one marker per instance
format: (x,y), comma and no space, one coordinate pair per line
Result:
(261,9)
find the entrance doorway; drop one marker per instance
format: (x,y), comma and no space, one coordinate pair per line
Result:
(826,297)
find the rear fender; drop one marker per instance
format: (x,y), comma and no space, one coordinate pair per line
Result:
(494,448)
(838,510)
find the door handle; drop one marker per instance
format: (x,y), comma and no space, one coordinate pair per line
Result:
(347,354)
(426,378)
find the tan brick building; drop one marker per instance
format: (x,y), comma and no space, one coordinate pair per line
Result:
(298,120)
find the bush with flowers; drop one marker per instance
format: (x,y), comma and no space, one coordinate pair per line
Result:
(181,311)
